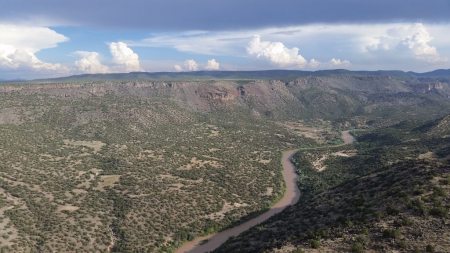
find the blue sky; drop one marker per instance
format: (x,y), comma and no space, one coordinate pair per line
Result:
(50,38)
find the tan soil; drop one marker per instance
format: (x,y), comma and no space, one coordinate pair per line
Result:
(227,207)
(95,145)
(427,156)
(319,164)
(69,208)
(303,130)
(106,181)
(347,137)
(197,163)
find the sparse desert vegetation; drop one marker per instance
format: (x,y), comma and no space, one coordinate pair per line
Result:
(143,166)
(129,173)
(387,196)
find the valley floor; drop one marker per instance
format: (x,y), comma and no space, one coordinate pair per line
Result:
(291,196)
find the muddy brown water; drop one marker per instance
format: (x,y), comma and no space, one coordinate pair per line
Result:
(290,197)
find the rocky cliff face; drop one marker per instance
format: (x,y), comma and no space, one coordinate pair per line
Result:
(327,96)
(432,86)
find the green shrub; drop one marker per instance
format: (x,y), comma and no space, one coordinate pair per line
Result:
(402,244)
(404,221)
(365,231)
(363,239)
(315,244)
(429,248)
(439,191)
(391,210)
(419,206)
(445,181)
(357,247)
(392,233)
(439,211)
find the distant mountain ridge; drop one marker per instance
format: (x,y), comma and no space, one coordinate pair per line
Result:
(325,94)
(260,74)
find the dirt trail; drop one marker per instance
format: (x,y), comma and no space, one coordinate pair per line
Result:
(290,197)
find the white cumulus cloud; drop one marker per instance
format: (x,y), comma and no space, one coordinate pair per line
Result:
(372,46)
(178,68)
(190,65)
(339,63)
(19,45)
(276,52)
(313,63)
(413,38)
(212,65)
(89,62)
(418,41)
(124,56)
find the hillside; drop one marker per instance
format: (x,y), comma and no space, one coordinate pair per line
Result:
(388,192)
(286,75)
(330,97)
(135,166)
(127,172)
(438,127)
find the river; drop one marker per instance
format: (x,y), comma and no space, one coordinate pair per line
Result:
(290,197)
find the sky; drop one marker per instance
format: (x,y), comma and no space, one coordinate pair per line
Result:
(50,38)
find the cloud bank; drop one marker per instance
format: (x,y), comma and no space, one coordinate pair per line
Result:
(407,46)
(413,38)
(276,52)
(124,56)
(89,62)
(192,65)
(19,45)
(281,56)
(215,15)
(338,63)
(212,65)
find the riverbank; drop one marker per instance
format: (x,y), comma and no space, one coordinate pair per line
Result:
(290,197)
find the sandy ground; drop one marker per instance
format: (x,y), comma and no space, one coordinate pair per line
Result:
(95,145)
(106,181)
(347,137)
(291,196)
